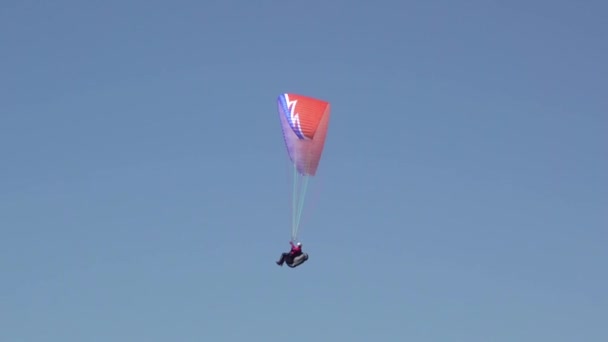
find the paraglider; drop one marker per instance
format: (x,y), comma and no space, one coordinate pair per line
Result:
(304,122)
(294,257)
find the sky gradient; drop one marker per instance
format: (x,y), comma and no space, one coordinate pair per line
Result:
(462,194)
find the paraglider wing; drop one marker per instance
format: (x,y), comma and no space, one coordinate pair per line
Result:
(304,121)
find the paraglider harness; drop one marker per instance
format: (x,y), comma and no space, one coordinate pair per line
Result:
(296,260)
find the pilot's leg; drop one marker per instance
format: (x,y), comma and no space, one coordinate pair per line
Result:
(282,260)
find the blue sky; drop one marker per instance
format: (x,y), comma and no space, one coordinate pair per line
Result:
(462,194)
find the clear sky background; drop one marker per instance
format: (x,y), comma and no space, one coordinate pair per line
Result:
(462,194)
